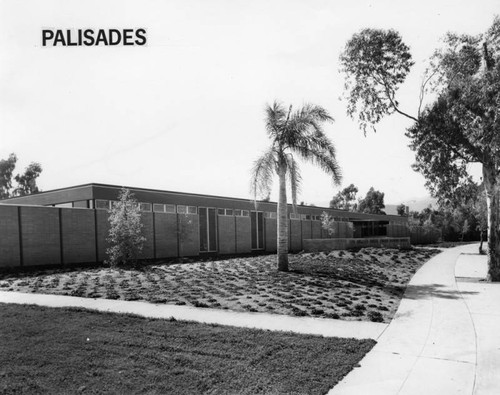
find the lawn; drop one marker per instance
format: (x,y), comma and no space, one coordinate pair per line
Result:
(60,351)
(363,285)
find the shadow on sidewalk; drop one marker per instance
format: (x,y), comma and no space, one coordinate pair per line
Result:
(434,291)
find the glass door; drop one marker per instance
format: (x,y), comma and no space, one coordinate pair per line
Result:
(257,223)
(208,229)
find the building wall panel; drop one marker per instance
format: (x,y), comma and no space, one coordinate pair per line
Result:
(148,233)
(78,236)
(10,254)
(306,230)
(40,236)
(226,234)
(166,235)
(316,230)
(271,226)
(243,235)
(295,231)
(189,239)
(102,225)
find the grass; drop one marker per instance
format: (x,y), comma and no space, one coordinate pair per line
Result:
(59,351)
(363,285)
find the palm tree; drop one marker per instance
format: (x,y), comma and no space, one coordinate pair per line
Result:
(293,134)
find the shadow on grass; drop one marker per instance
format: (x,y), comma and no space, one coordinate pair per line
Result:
(435,291)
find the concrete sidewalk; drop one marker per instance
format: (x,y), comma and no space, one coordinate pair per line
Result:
(275,322)
(444,337)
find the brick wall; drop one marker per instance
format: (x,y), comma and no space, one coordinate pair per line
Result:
(35,235)
(306,230)
(315,245)
(10,252)
(189,239)
(40,236)
(243,235)
(78,235)
(102,225)
(226,234)
(271,226)
(295,234)
(148,232)
(316,230)
(166,235)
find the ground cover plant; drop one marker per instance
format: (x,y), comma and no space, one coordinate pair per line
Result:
(363,285)
(48,350)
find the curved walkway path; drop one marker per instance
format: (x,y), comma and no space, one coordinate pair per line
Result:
(444,338)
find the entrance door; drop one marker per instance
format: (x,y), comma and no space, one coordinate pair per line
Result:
(208,229)
(257,221)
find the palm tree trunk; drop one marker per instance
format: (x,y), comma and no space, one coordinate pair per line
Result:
(491,186)
(282,222)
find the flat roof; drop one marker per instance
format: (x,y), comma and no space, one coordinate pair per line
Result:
(99,185)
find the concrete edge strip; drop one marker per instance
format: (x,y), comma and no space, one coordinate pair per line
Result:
(263,321)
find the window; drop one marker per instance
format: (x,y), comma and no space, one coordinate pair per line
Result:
(306,217)
(294,216)
(102,204)
(69,204)
(113,203)
(145,206)
(181,209)
(225,211)
(245,213)
(192,210)
(158,208)
(170,208)
(237,213)
(270,214)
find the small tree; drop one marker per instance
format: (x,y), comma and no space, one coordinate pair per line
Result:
(125,234)
(327,223)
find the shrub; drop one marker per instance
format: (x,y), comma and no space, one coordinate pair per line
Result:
(125,233)
(375,316)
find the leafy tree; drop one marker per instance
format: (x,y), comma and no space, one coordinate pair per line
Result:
(344,200)
(7,167)
(26,183)
(125,233)
(293,134)
(375,63)
(401,210)
(461,126)
(372,203)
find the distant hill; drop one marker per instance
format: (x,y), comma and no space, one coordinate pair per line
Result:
(414,204)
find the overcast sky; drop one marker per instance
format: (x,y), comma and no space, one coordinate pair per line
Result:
(186,111)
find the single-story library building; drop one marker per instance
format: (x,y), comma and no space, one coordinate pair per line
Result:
(70,225)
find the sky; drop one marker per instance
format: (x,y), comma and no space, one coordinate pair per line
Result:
(186,111)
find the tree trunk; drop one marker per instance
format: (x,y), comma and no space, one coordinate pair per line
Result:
(491,187)
(282,222)
(481,235)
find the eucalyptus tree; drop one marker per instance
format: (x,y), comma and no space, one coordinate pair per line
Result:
(294,134)
(459,127)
